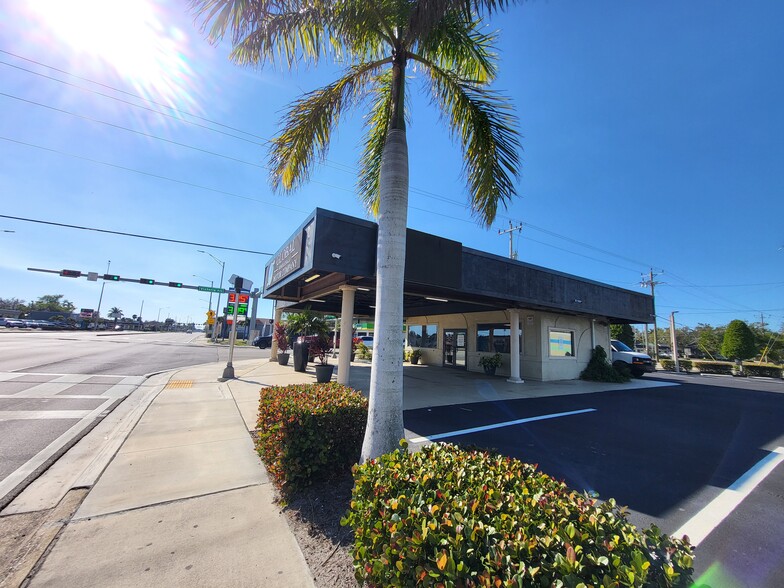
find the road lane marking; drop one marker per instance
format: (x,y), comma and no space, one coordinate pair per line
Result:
(20,474)
(500,425)
(704,522)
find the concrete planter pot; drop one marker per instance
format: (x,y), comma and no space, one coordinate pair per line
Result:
(489,370)
(283,358)
(324,373)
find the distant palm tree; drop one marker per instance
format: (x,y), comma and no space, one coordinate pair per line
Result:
(115,313)
(375,40)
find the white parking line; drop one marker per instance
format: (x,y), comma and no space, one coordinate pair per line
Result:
(700,525)
(499,425)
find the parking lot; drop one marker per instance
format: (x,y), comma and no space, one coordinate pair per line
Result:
(693,454)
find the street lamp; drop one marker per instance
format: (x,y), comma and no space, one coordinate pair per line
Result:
(212,284)
(217,306)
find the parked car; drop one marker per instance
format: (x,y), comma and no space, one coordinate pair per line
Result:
(367,341)
(15,323)
(263,341)
(638,363)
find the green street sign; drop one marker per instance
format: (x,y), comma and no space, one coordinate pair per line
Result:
(210,289)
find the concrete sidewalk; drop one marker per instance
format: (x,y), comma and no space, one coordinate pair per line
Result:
(177,494)
(185,500)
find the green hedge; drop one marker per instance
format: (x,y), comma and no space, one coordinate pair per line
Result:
(456,518)
(685,365)
(766,371)
(714,367)
(307,432)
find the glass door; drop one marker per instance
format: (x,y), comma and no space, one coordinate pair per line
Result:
(455,348)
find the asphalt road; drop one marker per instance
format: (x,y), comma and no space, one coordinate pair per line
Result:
(56,386)
(76,352)
(674,455)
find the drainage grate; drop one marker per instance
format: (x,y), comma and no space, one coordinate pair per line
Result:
(179,384)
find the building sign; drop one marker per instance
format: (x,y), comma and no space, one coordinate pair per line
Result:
(287,260)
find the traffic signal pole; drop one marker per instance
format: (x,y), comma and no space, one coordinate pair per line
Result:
(228,371)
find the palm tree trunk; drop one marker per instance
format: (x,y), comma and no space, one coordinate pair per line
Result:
(385,413)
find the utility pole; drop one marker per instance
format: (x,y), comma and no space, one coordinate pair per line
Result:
(674,342)
(511,230)
(653,283)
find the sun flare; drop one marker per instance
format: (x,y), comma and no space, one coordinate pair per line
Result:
(129,36)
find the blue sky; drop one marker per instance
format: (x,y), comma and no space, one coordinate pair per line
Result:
(652,136)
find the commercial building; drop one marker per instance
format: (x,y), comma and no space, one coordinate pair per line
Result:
(459,303)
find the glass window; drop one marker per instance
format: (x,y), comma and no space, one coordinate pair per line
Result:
(493,338)
(425,336)
(561,343)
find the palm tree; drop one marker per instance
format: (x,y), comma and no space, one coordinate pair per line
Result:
(376,40)
(115,313)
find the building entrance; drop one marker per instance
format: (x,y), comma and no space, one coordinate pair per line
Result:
(455,348)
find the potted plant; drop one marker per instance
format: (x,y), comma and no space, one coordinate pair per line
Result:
(282,340)
(355,342)
(320,349)
(490,362)
(416,354)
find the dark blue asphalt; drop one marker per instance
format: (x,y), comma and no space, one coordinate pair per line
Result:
(653,450)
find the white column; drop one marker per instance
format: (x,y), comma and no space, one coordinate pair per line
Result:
(514,367)
(274,347)
(346,333)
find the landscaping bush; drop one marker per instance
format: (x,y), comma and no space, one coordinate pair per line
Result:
(307,432)
(765,371)
(600,370)
(714,367)
(450,517)
(669,364)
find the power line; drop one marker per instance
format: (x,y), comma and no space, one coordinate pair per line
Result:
(124,234)
(179,114)
(335,165)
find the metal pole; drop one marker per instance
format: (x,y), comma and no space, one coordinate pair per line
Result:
(228,372)
(674,342)
(100,299)
(217,307)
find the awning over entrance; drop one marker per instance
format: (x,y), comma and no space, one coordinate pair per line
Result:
(330,250)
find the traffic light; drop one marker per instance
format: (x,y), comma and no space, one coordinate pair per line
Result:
(147,281)
(71,273)
(175,284)
(111,277)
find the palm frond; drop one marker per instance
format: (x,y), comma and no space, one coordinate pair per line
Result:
(427,14)
(377,125)
(484,122)
(459,46)
(308,124)
(269,31)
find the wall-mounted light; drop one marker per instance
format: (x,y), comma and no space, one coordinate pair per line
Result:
(436,299)
(577,301)
(311,278)
(363,289)
(336,256)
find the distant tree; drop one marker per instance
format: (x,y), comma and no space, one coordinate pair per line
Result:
(623,333)
(12,303)
(52,303)
(115,313)
(708,338)
(738,341)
